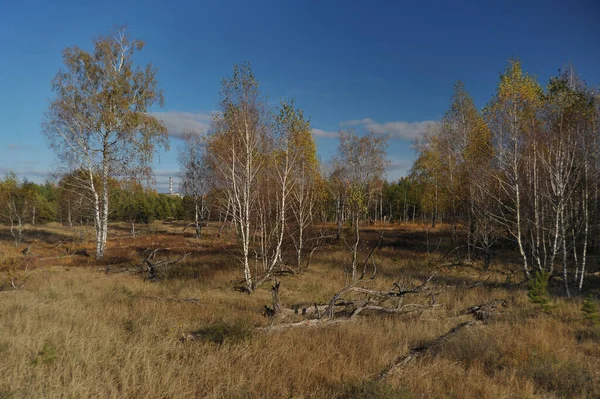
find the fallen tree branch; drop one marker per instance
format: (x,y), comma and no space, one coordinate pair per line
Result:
(305,323)
(383,293)
(81,252)
(487,310)
(460,264)
(328,314)
(440,260)
(417,351)
(481,313)
(148,265)
(401,310)
(171,299)
(478,283)
(152,266)
(369,300)
(138,270)
(273,312)
(57,257)
(283,269)
(12,283)
(313,309)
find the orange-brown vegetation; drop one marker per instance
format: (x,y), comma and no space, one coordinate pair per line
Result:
(73,330)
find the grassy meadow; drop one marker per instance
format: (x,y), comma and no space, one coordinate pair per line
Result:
(72,327)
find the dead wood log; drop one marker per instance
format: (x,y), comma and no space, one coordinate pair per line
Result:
(389,294)
(481,313)
(417,351)
(329,313)
(375,299)
(273,312)
(314,309)
(283,269)
(316,322)
(130,270)
(62,242)
(14,286)
(154,265)
(301,324)
(478,283)
(149,265)
(487,310)
(308,310)
(408,308)
(443,258)
(242,289)
(194,301)
(372,300)
(81,252)
(57,257)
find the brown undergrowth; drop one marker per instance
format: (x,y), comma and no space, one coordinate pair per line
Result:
(73,331)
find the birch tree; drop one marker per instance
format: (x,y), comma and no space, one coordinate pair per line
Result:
(195,176)
(428,171)
(75,200)
(569,143)
(98,120)
(307,181)
(338,191)
(16,204)
(364,162)
(513,118)
(290,147)
(297,171)
(237,148)
(469,148)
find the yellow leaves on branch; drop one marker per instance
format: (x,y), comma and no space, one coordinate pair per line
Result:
(518,93)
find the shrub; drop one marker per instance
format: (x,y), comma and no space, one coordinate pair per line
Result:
(538,289)
(371,389)
(46,356)
(590,309)
(223,332)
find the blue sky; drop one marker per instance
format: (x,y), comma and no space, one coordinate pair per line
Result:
(383,66)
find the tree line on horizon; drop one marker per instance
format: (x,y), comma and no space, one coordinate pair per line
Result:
(523,170)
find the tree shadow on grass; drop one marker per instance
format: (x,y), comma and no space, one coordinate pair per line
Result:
(30,235)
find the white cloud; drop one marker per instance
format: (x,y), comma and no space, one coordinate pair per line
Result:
(395,129)
(324,133)
(179,123)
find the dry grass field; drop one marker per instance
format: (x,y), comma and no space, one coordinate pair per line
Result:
(74,330)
